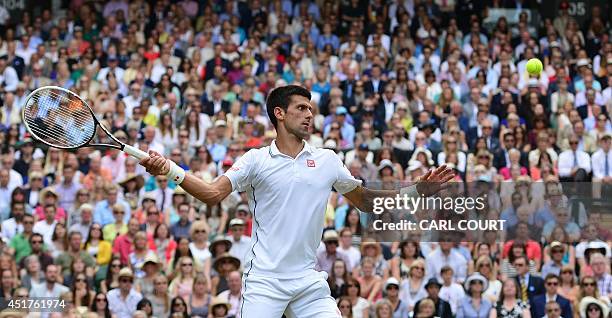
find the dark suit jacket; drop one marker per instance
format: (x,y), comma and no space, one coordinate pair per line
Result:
(209,107)
(535,287)
(539,303)
(368,87)
(210,67)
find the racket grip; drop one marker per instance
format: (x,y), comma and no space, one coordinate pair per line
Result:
(135,152)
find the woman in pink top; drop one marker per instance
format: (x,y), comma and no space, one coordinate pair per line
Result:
(182,284)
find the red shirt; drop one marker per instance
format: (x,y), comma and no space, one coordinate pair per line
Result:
(123,246)
(534,251)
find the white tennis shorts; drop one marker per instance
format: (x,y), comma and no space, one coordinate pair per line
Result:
(300,298)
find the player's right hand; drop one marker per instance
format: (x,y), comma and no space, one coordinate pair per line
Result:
(155,164)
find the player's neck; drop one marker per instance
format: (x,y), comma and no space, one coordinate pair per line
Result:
(289,144)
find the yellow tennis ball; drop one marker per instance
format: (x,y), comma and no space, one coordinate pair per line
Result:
(534,67)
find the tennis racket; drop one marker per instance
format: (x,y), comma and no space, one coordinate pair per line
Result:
(61,119)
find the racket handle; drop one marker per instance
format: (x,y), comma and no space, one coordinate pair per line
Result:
(135,152)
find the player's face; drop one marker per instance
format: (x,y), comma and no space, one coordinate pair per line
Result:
(298,117)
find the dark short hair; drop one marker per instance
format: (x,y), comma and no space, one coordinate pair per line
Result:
(551,276)
(281,97)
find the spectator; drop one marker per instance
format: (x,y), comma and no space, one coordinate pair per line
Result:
(50,287)
(240,243)
(473,304)
(360,306)
(450,291)
(551,283)
(442,307)
(232,295)
(509,304)
(122,301)
(327,257)
(530,285)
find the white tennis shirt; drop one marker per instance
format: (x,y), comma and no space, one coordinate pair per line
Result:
(288,198)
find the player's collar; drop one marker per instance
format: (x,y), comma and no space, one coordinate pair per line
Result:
(275,152)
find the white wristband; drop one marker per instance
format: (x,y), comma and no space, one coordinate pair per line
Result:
(176,173)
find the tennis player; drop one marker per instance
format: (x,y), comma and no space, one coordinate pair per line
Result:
(288,184)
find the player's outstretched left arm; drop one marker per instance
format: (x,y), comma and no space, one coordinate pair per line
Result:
(428,184)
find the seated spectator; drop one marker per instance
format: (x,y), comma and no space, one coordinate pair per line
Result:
(445,254)
(551,284)
(486,267)
(557,255)
(338,277)
(232,295)
(122,301)
(593,307)
(50,287)
(360,305)
(510,304)
(530,285)
(371,282)
(413,288)
(119,227)
(451,291)
(141,250)
(327,257)
(473,305)
(442,307)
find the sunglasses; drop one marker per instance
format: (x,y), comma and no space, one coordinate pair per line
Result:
(198,231)
(418,267)
(100,299)
(592,309)
(186,264)
(125,280)
(485,265)
(37,242)
(28,222)
(553,310)
(552,283)
(80,280)
(116,265)
(588,284)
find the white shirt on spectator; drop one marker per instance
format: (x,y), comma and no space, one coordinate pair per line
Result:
(123,308)
(566,162)
(353,254)
(240,248)
(9,78)
(436,260)
(598,162)
(10,228)
(45,229)
(453,294)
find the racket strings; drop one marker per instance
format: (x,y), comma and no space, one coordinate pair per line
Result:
(59,119)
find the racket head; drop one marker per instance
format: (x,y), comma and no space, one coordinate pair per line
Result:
(59,118)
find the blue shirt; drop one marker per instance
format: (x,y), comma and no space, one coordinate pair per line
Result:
(466,310)
(103,213)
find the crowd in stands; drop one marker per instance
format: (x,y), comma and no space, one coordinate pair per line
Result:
(398,87)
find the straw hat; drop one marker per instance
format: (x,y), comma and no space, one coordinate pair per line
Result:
(226,257)
(370,243)
(132,176)
(219,301)
(126,272)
